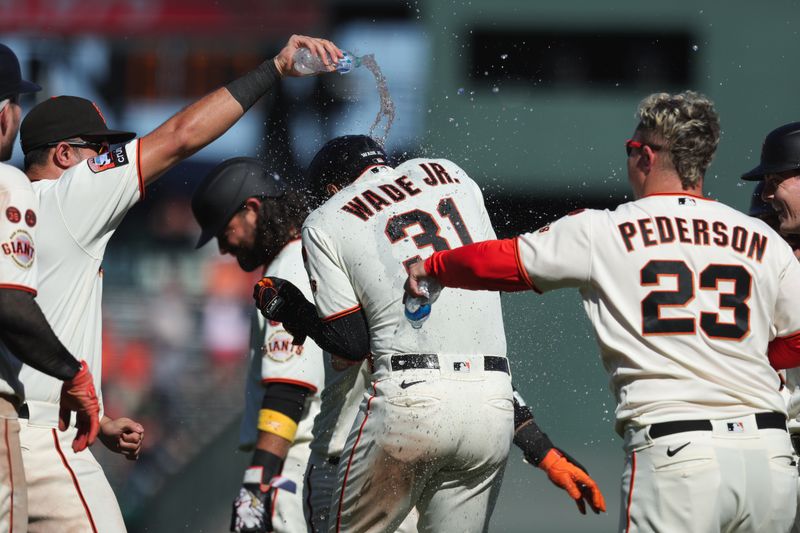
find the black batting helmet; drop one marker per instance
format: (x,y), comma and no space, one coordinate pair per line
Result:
(342,160)
(221,193)
(780,152)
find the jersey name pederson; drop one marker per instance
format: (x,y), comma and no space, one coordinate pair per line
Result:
(665,230)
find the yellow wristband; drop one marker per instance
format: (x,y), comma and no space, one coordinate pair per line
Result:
(277,423)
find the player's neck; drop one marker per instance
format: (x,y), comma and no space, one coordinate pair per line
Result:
(669,183)
(43,172)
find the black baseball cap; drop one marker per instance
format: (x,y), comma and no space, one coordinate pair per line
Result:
(780,152)
(343,159)
(224,190)
(11,82)
(65,117)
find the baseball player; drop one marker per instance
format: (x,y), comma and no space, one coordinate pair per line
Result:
(778,173)
(414,441)
(685,295)
(244,204)
(25,335)
(85,190)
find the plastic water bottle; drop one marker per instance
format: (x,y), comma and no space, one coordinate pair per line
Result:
(307,63)
(419,309)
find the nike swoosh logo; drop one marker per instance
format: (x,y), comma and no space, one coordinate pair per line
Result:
(405,385)
(671,452)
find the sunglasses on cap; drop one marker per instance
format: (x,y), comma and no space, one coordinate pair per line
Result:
(100,147)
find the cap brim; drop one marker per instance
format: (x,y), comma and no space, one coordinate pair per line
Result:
(758,173)
(28,87)
(203,240)
(112,136)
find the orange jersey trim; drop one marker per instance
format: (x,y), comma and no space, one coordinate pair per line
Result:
(522,272)
(74,481)
(340,314)
(18,288)
(139,169)
(10,478)
(630,493)
(350,461)
(289,381)
(678,194)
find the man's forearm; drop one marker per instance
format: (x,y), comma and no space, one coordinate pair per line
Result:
(26,332)
(487,265)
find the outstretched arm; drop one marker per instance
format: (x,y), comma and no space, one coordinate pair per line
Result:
(207,119)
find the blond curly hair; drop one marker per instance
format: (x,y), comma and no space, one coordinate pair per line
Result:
(687,125)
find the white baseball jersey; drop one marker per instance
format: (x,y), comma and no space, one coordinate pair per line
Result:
(79,213)
(18,265)
(684,294)
(274,359)
(422,206)
(356,247)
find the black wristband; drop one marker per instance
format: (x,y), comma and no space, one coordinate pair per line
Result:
(533,442)
(271,464)
(252,86)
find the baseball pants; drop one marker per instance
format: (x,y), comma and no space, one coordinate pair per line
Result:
(13,498)
(67,491)
(796,446)
(319,487)
(287,508)
(734,477)
(436,438)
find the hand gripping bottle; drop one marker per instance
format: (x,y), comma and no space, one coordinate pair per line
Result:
(418,310)
(307,63)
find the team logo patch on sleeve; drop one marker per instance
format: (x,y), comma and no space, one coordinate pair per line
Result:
(113,159)
(279,347)
(20,248)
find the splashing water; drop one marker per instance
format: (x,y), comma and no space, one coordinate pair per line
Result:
(387,105)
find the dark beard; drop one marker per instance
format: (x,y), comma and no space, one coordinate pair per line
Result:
(264,248)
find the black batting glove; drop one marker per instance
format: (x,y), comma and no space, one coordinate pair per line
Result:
(280,301)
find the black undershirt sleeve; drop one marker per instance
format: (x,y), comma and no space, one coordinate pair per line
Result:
(347,336)
(286,398)
(25,331)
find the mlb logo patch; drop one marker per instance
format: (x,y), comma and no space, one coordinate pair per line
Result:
(686,201)
(461,366)
(735,427)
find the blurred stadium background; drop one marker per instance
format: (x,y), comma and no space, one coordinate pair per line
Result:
(532,99)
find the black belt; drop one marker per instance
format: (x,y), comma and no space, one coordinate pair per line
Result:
(23,411)
(430,361)
(763,421)
(333,460)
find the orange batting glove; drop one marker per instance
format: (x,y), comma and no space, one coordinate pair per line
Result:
(574,480)
(78,395)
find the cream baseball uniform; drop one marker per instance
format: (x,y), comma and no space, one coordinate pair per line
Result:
(684,294)
(18,269)
(78,215)
(435,425)
(274,359)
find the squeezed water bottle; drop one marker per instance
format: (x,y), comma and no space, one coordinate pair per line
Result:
(307,63)
(418,309)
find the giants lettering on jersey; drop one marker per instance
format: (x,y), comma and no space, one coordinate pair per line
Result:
(665,230)
(20,248)
(279,347)
(384,195)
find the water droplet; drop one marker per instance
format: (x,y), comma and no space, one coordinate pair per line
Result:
(495,90)
(695,48)
(460,91)
(451,119)
(504,56)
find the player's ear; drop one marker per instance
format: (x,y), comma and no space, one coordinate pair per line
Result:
(63,155)
(331,189)
(253,203)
